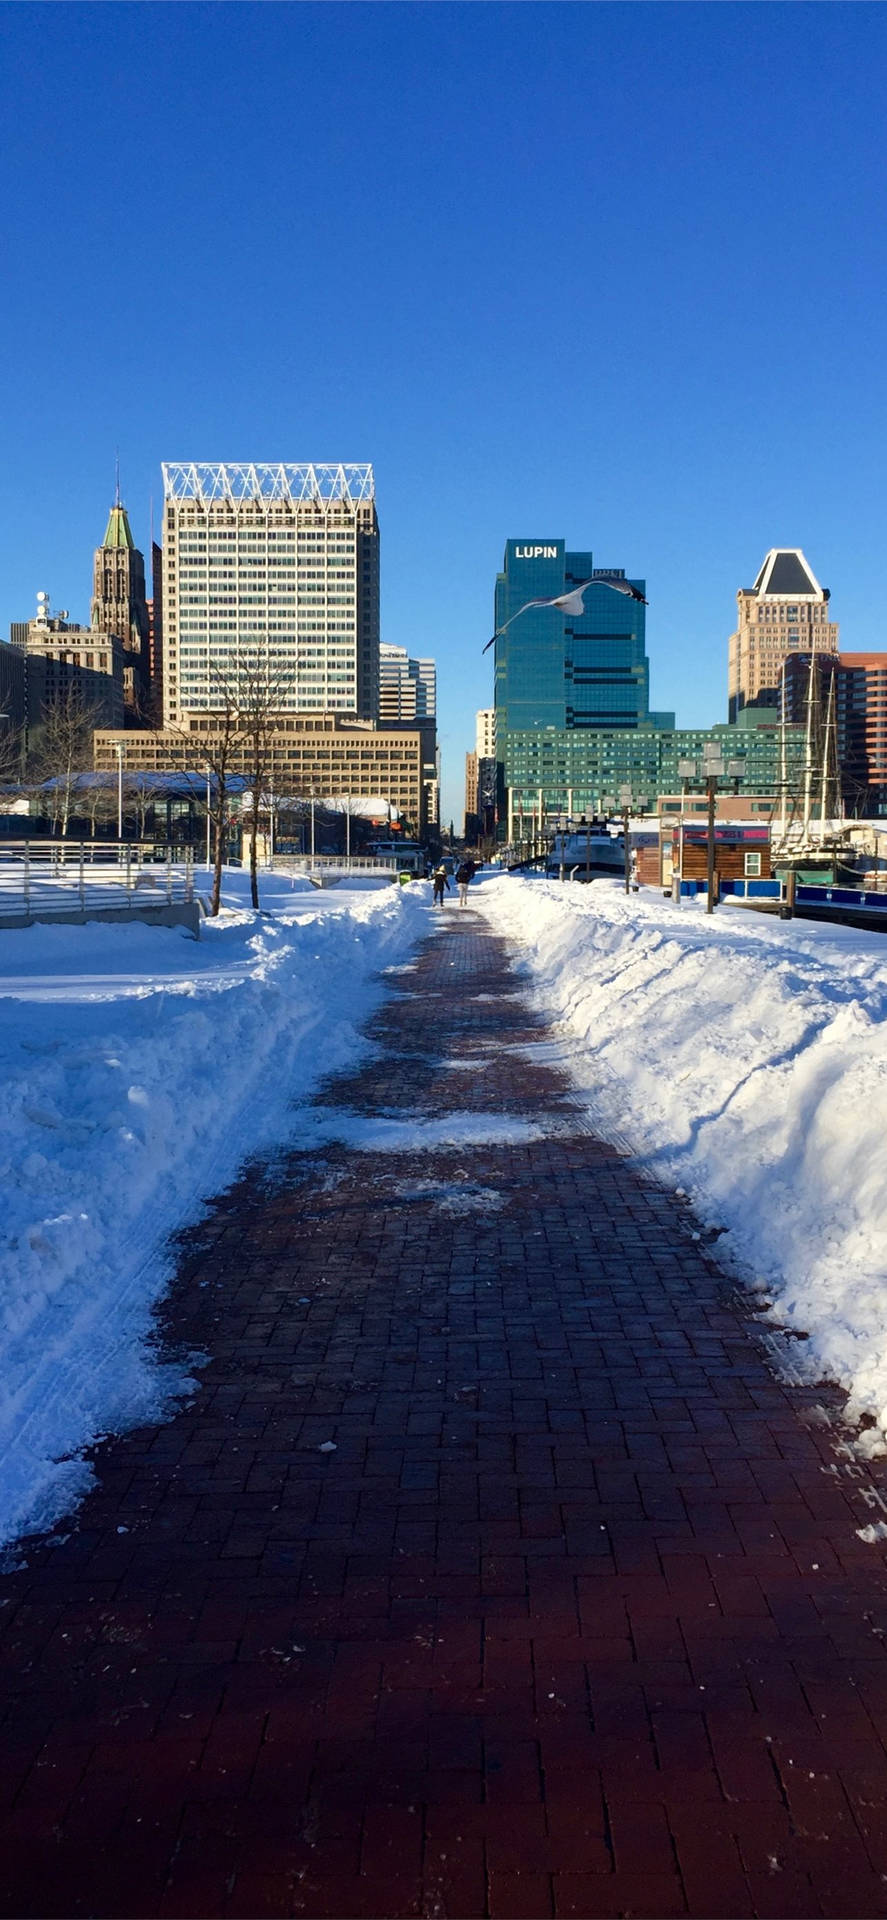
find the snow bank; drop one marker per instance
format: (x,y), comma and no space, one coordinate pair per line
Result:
(140,1068)
(745,1059)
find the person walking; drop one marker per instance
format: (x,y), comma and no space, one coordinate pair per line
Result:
(464,877)
(439,882)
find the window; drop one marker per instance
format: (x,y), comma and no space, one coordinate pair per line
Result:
(752,866)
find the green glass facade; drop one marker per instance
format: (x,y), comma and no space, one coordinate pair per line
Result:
(575,771)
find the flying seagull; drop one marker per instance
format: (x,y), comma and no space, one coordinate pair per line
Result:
(572,602)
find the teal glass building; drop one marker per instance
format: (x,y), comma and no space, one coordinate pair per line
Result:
(563,670)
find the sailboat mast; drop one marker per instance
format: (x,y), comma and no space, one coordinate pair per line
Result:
(826,744)
(783,777)
(808,742)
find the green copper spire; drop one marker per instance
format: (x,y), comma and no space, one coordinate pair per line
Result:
(117,533)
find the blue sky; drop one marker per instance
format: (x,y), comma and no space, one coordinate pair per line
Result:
(614,273)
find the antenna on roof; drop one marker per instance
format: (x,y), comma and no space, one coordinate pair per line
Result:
(117,476)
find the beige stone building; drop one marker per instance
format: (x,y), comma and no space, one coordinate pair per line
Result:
(485,741)
(325,755)
(786,611)
(77,660)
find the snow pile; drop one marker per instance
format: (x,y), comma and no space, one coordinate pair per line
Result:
(140,1068)
(745,1060)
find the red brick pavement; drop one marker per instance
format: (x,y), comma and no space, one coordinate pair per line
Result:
(574,1620)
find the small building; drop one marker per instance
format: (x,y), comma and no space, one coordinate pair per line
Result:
(742,851)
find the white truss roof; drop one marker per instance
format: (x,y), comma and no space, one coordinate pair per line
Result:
(208,480)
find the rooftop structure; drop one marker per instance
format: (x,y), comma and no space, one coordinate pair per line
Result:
(243,482)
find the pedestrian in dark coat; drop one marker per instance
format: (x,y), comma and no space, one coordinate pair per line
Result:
(439,882)
(464,877)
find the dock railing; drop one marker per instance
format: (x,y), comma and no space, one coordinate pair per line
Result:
(304,864)
(83,876)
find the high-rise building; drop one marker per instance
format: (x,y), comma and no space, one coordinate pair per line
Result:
(271,566)
(471,797)
(119,606)
(785,612)
(155,632)
(407,687)
(862,731)
(485,733)
(568,670)
(82,662)
(840,701)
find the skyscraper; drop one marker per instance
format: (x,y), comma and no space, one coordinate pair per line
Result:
(275,565)
(786,611)
(119,605)
(485,733)
(407,687)
(563,670)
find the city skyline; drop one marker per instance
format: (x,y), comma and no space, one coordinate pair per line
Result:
(596,320)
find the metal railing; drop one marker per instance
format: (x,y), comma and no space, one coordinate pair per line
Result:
(83,876)
(308,863)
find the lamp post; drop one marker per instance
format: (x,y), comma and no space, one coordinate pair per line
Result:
(118,749)
(710,768)
(208,816)
(628,800)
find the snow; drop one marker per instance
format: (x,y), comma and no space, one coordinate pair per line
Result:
(140,1069)
(744,1061)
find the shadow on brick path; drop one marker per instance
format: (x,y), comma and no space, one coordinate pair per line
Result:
(572,1618)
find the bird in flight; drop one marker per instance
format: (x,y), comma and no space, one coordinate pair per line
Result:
(572,602)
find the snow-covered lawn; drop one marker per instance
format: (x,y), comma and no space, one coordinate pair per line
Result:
(745,1061)
(140,1068)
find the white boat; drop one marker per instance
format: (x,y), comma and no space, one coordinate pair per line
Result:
(592,851)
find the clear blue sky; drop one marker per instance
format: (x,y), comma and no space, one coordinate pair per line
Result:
(610,272)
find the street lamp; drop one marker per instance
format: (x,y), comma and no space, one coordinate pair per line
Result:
(711,768)
(118,749)
(208,816)
(627,800)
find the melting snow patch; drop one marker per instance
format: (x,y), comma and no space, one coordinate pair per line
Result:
(461,1199)
(382,1135)
(876,1531)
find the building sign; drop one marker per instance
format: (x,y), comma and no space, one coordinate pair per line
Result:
(535,553)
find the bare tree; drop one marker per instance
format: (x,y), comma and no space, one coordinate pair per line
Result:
(12,751)
(65,751)
(260,699)
(140,790)
(98,800)
(247,701)
(215,757)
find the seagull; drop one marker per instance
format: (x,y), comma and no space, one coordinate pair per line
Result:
(572,602)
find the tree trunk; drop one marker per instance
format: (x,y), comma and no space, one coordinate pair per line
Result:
(219,860)
(254,838)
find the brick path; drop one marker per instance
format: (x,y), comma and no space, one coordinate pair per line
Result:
(574,1620)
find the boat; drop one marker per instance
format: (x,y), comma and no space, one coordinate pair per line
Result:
(588,853)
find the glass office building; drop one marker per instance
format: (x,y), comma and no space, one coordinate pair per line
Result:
(552,771)
(562,670)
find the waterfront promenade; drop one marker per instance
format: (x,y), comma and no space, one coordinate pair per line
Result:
(495,1566)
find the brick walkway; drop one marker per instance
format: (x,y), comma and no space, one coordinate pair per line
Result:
(573,1619)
